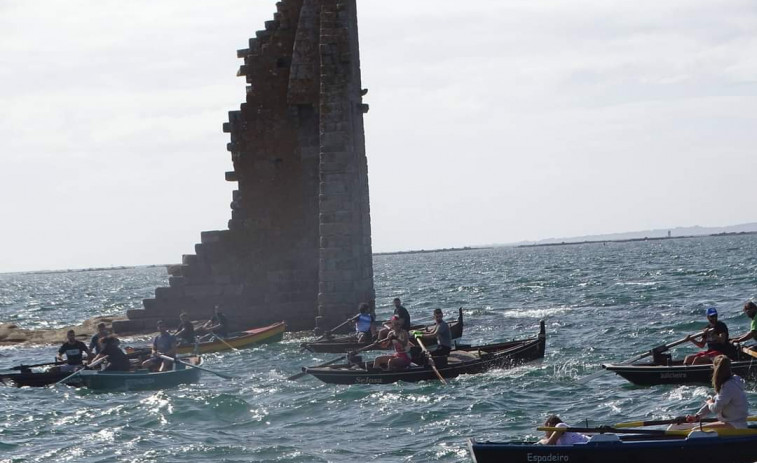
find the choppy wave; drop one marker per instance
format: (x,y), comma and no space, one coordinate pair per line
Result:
(600,303)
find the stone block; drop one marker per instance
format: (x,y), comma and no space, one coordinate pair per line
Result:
(175,270)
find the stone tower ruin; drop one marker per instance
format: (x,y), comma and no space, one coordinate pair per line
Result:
(298,244)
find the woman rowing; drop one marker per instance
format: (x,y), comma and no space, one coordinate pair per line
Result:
(399,338)
(561,437)
(730,404)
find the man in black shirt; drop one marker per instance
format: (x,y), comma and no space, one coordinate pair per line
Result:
(218,325)
(716,338)
(402,313)
(186,331)
(74,351)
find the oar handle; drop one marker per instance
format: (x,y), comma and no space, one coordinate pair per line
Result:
(431,360)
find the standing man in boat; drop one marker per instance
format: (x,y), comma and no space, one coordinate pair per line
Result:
(74,351)
(750,309)
(402,313)
(716,338)
(163,344)
(364,324)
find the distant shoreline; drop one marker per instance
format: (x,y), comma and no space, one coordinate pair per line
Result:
(631,240)
(427,251)
(420,251)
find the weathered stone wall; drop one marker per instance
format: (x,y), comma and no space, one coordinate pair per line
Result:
(298,244)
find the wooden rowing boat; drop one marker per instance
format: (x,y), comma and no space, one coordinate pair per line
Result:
(241,340)
(462,360)
(349,343)
(664,370)
(141,379)
(698,447)
(44,374)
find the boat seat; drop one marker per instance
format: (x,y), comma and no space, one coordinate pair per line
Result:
(604,438)
(701,435)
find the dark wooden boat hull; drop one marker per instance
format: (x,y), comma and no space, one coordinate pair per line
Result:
(667,450)
(28,377)
(35,379)
(342,344)
(502,355)
(649,374)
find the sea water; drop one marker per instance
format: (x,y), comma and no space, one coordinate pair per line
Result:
(601,303)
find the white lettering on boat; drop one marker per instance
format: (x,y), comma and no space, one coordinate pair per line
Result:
(552,457)
(672,375)
(368,380)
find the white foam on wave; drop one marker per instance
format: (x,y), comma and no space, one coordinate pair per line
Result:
(534,313)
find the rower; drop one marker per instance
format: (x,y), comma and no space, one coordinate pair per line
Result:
(217,325)
(74,351)
(163,345)
(750,309)
(117,360)
(716,338)
(443,335)
(94,343)
(561,437)
(364,324)
(730,403)
(399,338)
(400,312)
(186,332)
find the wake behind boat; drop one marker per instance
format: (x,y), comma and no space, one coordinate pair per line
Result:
(349,343)
(461,360)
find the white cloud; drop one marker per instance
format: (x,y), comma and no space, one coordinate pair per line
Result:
(491,121)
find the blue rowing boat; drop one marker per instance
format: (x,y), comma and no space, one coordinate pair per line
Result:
(140,380)
(697,447)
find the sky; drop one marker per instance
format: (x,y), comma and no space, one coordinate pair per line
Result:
(491,121)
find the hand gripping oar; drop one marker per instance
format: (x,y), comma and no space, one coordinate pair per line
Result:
(76,373)
(303,373)
(336,328)
(222,375)
(431,360)
(658,349)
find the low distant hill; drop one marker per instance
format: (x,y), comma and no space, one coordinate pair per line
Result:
(658,233)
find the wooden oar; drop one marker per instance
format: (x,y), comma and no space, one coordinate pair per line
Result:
(222,375)
(659,432)
(677,420)
(431,360)
(658,349)
(336,328)
(226,343)
(24,367)
(76,373)
(749,352)
(303,373)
